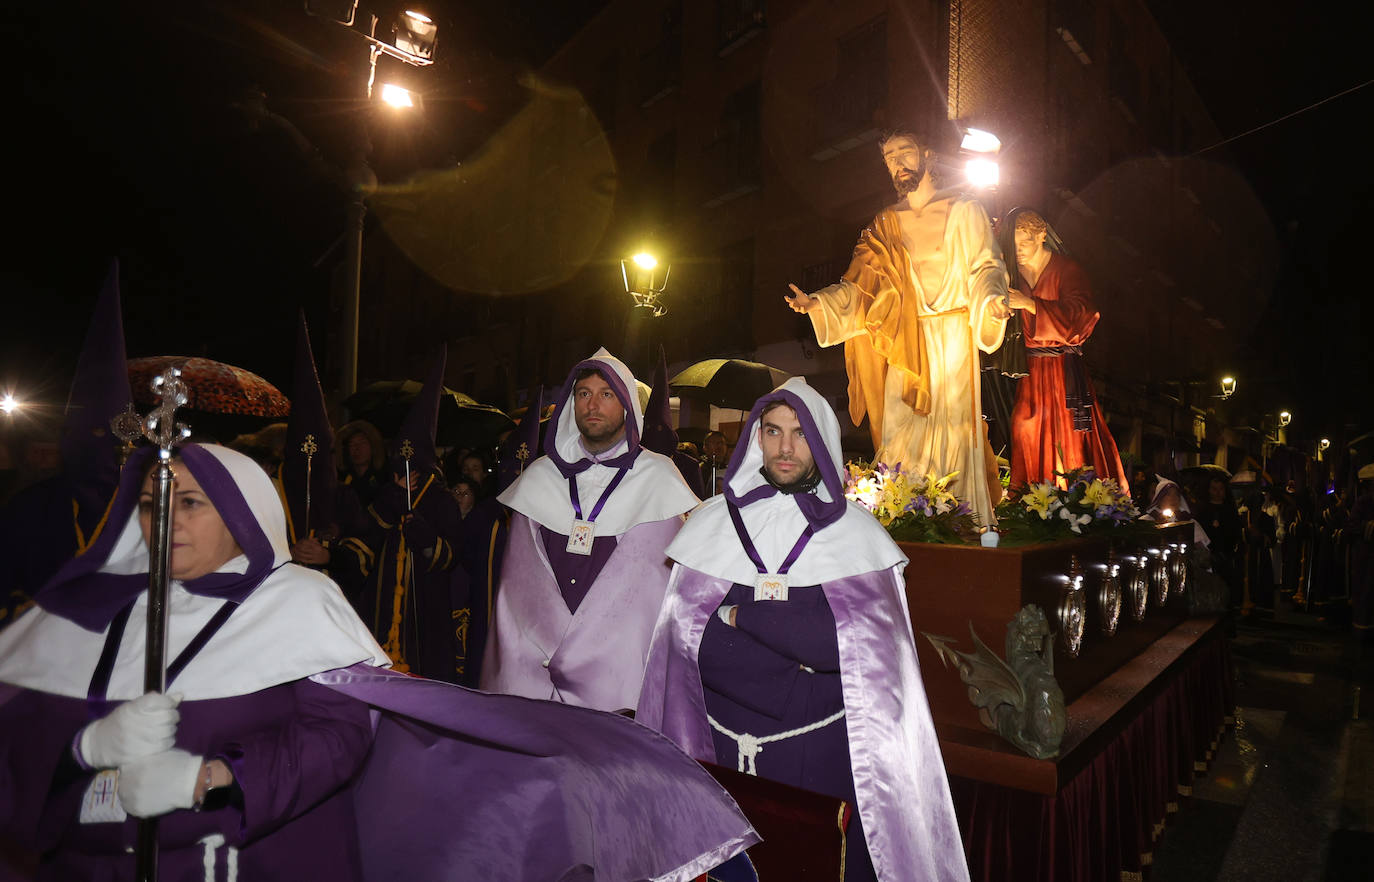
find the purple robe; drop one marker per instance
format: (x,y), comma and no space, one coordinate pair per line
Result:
(778,670)
(293,749)
(593,657)
(900,788)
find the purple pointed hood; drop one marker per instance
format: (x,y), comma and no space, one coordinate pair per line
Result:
(659,435)
(521,447)
(418,428)
(309,439)
(100,390)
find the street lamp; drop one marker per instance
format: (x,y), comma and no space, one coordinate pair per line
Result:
(1284,418)
(9,404)
(1228,387)
(641,282)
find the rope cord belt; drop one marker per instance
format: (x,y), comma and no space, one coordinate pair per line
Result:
(750,746)
(211,844)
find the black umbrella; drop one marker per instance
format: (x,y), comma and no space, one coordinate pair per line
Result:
(463,421)
(728,382)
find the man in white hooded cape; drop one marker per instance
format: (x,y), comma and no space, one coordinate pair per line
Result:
(585,569)
(785,647)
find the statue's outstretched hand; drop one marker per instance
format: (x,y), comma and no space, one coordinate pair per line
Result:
(800,301)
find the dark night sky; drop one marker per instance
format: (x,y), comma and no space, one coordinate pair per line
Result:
(127,135)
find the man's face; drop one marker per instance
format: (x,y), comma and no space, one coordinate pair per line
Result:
(715,446)
(359,451)
(599,415)
(1028,245)
(786,455)
(906,163)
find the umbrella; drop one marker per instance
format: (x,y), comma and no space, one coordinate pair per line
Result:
(728,382)
(1206,470)
(212,386)
(463,421)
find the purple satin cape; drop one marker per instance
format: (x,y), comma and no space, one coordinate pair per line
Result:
(595,657)
(899,776)
(469,785)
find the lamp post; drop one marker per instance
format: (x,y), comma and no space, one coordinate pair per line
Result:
(1228,387)
(414,36)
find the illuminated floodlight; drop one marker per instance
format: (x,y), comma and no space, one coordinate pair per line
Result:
(979,141)
(982,173)
(9,404)
(397,96)
(416,34)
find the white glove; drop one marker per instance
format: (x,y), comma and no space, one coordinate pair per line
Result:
(158,784)
(137,728)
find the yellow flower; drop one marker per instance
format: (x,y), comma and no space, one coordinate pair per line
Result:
(1041,499)
(1099,494)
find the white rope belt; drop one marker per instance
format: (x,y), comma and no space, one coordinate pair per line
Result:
(231,863)
(750,746)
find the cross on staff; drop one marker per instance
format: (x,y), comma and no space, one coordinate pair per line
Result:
(309,448)
(407,451)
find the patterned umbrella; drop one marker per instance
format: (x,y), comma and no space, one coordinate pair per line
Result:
(728,382)
(213,387)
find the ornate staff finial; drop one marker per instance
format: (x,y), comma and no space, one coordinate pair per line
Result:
(309,448)
(159,426)
(407,450)
(127,426)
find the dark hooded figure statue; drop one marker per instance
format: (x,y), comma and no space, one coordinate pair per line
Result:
(44,525)
(416,600)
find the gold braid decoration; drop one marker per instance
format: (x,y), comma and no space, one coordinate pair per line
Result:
(392,647)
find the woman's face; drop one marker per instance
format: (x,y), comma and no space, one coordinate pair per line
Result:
(201,543)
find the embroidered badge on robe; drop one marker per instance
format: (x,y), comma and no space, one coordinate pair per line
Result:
(581,536)
(770,587)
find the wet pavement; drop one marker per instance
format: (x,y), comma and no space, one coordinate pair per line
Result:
(1290,792)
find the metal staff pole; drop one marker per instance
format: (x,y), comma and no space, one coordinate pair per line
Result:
(160,428)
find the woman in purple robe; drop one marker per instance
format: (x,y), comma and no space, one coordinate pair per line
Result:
(245,760)
(284,750)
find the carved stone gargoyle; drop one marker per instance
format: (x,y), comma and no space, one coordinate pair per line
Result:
(1019,698)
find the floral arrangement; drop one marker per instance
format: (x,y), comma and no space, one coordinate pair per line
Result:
(1085,504)
(913,508)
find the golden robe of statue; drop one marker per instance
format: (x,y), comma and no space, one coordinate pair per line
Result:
(912,311)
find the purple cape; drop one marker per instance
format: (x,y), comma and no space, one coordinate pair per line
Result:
(899,776)
(594,657)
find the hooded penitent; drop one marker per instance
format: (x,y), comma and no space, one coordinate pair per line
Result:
(573,625)
(866,669)
(418,599)
(659,435)
(521,447)
(46,523)
(346,771)
(309,448)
